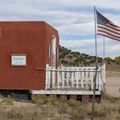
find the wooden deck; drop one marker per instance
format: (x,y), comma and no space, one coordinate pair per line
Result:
(73,80)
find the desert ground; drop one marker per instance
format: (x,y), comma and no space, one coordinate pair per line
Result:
(112,85)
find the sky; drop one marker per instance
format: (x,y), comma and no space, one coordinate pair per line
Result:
(74,20)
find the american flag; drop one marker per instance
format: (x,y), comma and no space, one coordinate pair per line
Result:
(107,28)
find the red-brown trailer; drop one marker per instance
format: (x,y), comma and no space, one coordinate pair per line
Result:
(25,49)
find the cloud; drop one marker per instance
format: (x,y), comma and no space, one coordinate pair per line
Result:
(71,18)
(88,46)
(82,29)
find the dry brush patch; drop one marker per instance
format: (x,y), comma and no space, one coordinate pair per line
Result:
(52,108)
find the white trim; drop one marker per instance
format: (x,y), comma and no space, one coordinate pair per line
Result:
(66,92)
(53,51)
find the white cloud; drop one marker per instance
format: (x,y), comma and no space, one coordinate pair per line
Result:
(69,17)
(82,29)
(112,47)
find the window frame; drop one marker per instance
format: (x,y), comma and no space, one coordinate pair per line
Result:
(48,51)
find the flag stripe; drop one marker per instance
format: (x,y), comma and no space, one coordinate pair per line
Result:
(103,34)
(102,31)
(110,27)
(107,28)
(113,25)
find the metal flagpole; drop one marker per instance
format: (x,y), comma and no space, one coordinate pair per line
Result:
(104,49)
(94,79)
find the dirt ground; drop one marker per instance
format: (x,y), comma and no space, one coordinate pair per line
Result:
(112,85)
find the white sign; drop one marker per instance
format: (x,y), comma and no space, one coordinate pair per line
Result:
(18,60)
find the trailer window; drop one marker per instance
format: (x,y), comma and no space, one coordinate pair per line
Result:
(56,53)
(48,50)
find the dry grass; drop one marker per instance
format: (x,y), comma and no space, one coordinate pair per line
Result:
(113,72)
(52,108)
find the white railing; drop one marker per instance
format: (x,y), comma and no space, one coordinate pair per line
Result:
(80,78)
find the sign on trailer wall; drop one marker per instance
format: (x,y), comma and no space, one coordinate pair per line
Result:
(18,60)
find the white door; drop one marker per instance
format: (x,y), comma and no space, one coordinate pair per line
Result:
(53,51)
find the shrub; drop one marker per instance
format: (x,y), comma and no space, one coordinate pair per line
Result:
(9,100)
(108,98)
(99,111)
(117,59)
(92,61)
(14,114)
(78,115)
(62,56)
(100,60)
(70,63)
(69,56)
(64,62)
(86,63)
(63,99)
(40,99)
(52,99)
(108,58)
(51,110)
(2,112)
(89,57)
(73,103)
(75,53)
(63,108)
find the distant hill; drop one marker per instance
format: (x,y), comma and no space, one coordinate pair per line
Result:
(70,58)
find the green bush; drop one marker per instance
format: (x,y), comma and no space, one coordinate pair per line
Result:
(62,56)
(64,62)
(75,53)
(92,61)
(9,100)
(100,60)
(70,56)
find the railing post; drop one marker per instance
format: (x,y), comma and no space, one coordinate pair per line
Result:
(46,78)
(53,78)
(72,78)
(97,79)
(67,78)
(58,78)
(100,81)
(76,77)
(91,78)
(87,78)
(103,72)
(82,79)
(49,77)
(63,77)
